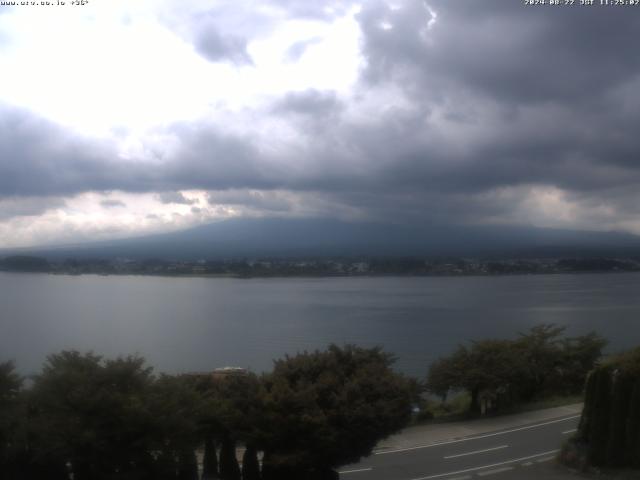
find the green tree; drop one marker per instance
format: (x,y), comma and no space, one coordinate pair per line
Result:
(503,372)
(10,410)
(489,370)
(93,414)
(542,355)
(178,410)
(446,374)
(329,408)
(580,355)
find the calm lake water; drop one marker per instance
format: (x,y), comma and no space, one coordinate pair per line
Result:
(187,324)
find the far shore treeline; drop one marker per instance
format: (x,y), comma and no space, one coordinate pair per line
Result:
(319,266)
(91,418)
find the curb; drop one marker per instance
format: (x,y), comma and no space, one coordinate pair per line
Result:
(430,434)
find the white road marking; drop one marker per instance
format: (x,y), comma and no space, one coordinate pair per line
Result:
(527,464)
(487,466)
(546,459)
(528,427)
(477,451)
(566,432)
(355,471)
(466,477)
(493,472)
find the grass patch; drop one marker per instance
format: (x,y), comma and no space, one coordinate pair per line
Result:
(549,402)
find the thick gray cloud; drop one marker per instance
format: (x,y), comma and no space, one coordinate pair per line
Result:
(497,97)
(112,203)
(503,49)
(38,158)
(309,102)
(11,207)
(218,33)
(585,57)
(216,47)
(208,159)
(537,94)
(177,198)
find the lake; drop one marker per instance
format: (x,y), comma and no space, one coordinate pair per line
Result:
(197,324)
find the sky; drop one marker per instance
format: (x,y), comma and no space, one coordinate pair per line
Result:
(125,117)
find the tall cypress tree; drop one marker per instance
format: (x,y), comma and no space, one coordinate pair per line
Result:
(229,468)
(250,464)
(210,460)
(187,465)
(610,424)
(599,427)
(620,398)
(586,420)
(633,428)
(166,466)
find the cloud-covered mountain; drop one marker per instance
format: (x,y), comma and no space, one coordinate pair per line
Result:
(326,237)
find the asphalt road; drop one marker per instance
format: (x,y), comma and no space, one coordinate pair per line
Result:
(500,454)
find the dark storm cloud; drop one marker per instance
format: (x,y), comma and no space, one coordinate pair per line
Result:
(549,147)
(499,96)
(537,94)
(503,49)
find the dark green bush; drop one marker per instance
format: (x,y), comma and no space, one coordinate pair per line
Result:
(610,424)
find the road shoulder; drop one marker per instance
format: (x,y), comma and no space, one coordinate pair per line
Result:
(429,434)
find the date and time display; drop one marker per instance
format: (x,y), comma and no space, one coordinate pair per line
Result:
(585,3)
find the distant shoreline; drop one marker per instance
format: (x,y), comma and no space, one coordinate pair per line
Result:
(321,267)
(318,276)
